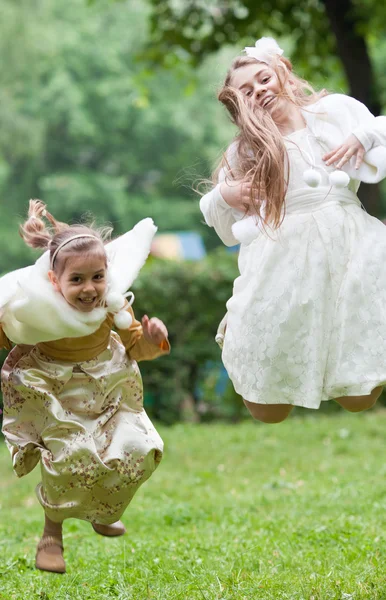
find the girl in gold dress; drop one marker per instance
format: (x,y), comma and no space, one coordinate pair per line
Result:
(72,390)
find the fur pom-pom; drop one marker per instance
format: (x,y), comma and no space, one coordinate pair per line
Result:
(246,230)
(312,178)
(114,301)
(123,319)
(339,179)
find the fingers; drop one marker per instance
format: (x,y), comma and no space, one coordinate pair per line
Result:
(343,153)
(154,329)
(328,155)
(342,156)
(146,325)
(360,155)
(346,157)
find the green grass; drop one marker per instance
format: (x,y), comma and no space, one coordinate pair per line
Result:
(293,511)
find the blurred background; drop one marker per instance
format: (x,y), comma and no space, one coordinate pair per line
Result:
(108,108)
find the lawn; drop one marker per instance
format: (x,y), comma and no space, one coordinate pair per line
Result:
(248,511)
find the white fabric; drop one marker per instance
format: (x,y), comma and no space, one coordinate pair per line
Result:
(31,311)
(264,50)
(330,121)
(307,318)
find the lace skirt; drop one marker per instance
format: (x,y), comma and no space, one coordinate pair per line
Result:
(307,319)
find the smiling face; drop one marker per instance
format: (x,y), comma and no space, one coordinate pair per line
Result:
(261,87)
(83,280)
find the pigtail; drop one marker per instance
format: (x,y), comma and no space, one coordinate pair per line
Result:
(34,231)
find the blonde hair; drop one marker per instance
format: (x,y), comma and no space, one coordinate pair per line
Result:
(37,234)
(261,154)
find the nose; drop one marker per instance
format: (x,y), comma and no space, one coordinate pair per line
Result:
(88,287)
(259,90)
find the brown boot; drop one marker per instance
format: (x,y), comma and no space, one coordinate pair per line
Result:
(49,555)
(112,530)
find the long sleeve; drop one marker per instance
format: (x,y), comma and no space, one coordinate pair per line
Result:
(137,347)
(217,213)
(371,131)
(335,117)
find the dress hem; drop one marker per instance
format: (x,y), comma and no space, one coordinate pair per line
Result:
(362,389)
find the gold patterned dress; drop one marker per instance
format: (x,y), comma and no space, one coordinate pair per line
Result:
(76,405)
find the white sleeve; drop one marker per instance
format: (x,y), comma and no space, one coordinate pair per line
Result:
(217,213)
(370,130)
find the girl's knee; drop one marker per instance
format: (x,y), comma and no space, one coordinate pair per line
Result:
(360,403)
(269,413)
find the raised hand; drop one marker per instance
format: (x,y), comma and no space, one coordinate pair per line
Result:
(154,330)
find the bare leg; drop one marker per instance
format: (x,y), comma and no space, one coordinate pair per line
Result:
(269,413)
(359,403)
(49,555)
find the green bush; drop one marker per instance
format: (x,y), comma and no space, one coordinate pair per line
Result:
(190,298)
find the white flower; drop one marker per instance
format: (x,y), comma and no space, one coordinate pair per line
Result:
(264,50)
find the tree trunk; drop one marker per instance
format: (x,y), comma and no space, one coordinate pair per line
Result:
(352,50)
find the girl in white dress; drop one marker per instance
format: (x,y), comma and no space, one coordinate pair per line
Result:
(72,390)
(307,319)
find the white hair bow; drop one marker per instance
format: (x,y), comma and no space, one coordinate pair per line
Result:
(264,50)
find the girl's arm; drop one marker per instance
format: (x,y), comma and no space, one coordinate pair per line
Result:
(146,340)
(371,131)
(367,132)
(218,213)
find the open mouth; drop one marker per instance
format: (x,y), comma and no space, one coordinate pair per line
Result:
(87,301)
(268,101)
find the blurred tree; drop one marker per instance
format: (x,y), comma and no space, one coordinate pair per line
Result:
(84,125)
(316,28)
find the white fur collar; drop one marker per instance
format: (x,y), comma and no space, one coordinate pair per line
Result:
(32,311)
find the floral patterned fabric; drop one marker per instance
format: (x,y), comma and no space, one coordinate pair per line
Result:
(307,319)
(86,424)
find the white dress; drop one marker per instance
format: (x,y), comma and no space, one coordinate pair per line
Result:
(307,318)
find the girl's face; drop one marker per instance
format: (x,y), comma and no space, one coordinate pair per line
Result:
(261,88)
(82,283)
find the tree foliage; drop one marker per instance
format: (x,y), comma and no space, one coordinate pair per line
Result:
(86,127)
(317,31)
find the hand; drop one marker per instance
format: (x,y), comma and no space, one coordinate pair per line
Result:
(343,153)
(237,194)
(154,330)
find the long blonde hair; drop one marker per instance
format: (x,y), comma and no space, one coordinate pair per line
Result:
(261,154)
(37,234)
